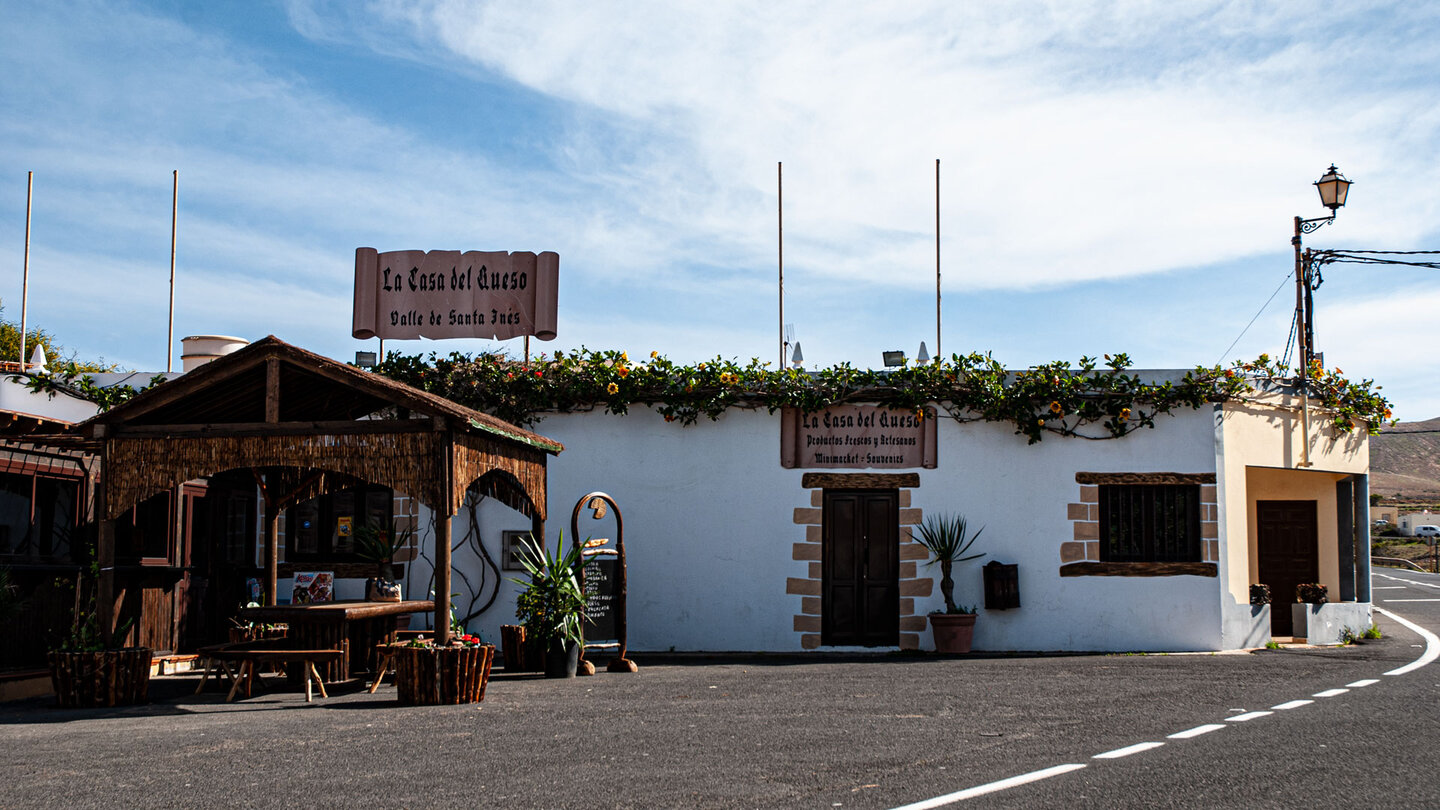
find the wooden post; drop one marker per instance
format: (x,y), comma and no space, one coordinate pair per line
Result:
(442,577)
(105,588)
(445,510)
(272,553)
(104,551)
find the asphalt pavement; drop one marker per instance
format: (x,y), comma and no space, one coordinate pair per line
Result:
(785,731)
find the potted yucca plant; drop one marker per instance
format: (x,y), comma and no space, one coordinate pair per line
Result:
(948,538)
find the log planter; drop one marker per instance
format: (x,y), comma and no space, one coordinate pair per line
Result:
(428,676)
(86,680)
(521,654)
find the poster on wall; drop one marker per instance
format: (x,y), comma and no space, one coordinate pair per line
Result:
(312,586)
(857,437)
(407,294)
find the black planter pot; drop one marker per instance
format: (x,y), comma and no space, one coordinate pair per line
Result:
(562,660)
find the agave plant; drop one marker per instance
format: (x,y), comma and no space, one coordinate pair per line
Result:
(552,606)
(377,543)
(948,538)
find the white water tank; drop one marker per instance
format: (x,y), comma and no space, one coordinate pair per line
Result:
(197,350)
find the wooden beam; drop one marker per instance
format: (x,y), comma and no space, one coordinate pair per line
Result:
(1139,569)
(336,428)
(272,390)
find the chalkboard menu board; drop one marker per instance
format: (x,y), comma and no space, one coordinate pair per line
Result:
(602,586)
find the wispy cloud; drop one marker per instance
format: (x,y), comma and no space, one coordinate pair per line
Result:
(1096,158)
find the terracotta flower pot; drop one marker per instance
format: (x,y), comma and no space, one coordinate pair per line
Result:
(953,631)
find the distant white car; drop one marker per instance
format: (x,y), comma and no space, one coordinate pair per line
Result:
(1382,522)
(1427,531)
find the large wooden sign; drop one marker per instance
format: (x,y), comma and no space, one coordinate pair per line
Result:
(602,578)
(857,437)
(406,294)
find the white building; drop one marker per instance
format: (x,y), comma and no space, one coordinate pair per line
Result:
(730,550)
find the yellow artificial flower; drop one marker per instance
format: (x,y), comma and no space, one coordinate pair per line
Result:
(612,389)
(1055,407)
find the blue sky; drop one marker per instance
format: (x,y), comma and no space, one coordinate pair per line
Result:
(1116,177)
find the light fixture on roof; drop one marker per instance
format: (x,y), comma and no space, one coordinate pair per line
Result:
(365,359)
(893,359)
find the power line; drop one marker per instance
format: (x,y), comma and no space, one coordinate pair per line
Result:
(1226,353)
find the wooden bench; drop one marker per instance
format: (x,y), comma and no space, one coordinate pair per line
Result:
(385,652)
(250,655)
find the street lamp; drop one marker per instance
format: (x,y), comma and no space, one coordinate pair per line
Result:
(1333,189)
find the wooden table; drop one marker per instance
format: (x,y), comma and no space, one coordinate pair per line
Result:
(344,626)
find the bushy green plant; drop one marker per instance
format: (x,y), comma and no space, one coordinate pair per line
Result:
(10,601)
(552,605)
(378,543)
(948,538)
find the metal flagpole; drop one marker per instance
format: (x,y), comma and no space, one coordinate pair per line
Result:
(25,277)
(938,354)
(170,332)
(780,241)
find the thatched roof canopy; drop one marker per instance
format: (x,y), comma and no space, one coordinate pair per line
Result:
(272,405)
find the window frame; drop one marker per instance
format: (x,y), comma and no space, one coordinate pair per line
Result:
(1146,536)
(325,516)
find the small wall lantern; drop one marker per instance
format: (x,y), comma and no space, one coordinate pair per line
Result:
(1002,585)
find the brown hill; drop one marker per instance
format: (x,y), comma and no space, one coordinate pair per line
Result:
(1405,461)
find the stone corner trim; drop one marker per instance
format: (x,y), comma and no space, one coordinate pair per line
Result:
(808,623)
(1083,544)
(1144,478)
(1109,569)
(859,480)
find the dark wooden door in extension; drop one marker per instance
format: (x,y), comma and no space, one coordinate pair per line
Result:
(1289,555)
(860,603)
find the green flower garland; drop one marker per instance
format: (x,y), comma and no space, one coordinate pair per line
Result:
(1092,401)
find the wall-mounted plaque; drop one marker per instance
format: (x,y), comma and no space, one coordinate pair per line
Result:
(857,437)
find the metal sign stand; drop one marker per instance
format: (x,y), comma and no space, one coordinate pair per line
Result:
(598,551)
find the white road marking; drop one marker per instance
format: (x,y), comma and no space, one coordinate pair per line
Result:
(1128,750)
(1410,600)
(1195,732)
(1432,644)
(993,787)
(1432,651)
(1387,587)
(1407,581)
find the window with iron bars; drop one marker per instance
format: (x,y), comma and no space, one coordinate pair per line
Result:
(1149,523)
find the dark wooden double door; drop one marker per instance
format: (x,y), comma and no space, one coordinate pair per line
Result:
(860,603)
(1288,548)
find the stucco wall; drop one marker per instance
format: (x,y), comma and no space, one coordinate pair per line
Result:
(1260,458)
(712,522)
